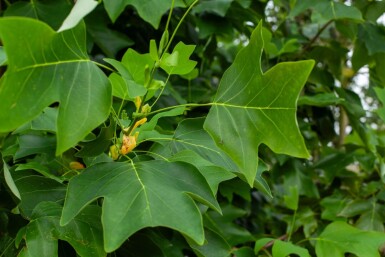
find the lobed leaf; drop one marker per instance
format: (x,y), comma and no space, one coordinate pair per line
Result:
(139,195)
(252,107)
(339,238)
(54,67)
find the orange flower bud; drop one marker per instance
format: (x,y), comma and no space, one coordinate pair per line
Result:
(128,144)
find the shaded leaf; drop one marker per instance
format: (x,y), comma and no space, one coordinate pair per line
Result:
(214,246)
(252,107)
(144,194)
(339,238)
(36,189)
(224,224)
(55,68)
(9,181)
(149,10)
(41,10)
(83,233)
(281,248)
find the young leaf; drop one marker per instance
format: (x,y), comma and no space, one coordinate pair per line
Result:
(144,194)
(178,62)
(281,248)
(252,107)
(43,232)
(339,238)
(52,68)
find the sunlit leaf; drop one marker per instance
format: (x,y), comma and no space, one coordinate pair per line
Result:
(252,107)
(54,67)
(339,238)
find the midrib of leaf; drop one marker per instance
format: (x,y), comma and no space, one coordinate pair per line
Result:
(39,65)
(252,107)
(144,191)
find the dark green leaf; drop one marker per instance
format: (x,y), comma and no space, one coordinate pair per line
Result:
(83,233)
(144,194)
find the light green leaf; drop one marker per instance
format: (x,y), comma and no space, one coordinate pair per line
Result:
(291,198)
(78,12)
(252,107)
(9,180)
(53,68)
(178,62)
(83,233)
(339,238)
(139,195)
(320,100)
(149,10)
(281,248)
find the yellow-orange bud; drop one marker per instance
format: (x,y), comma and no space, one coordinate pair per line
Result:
(76,166)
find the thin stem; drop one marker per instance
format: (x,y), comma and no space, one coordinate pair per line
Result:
(161,92)
(7,3)
(316,36)
(103,66)
(177,27)
(169,15)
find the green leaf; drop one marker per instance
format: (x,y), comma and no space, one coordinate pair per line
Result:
(219,7)
(215,246)
(46,11)
(83,233)
(35,144)
(144,194)
(328,9)
(339,238)
(78,12)
(380,92)
(108,40)
(149,10)
(54,68)
(291,199)
(46,121)
(9,181)
(224,225)
(373,35)
(178,62)
(252,107)
(320,100)
(281,248)
(40,168)
(36,189)
(3,56)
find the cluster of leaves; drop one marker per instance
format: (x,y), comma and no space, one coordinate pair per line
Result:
(192,128)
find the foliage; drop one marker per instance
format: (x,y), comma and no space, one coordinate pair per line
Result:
(192,128)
